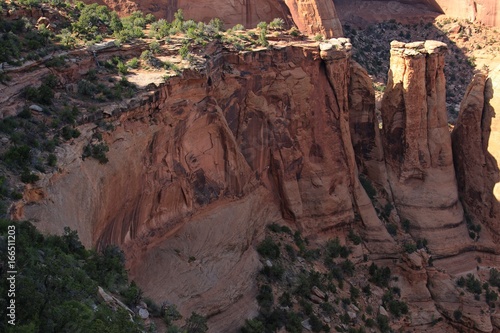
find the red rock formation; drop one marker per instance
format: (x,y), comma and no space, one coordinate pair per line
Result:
(210,160)
(418,146)
(315,17)
(367,11)
(311,16)
(477,170)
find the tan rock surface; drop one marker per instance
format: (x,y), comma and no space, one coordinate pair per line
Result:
(477,169)
(315,17)
(259,139)
(311,16)
(418,146)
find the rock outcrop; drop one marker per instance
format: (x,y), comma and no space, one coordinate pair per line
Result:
(477,170)
(311,16)
(417,145)
(200,164)
(211,158)
(315,17)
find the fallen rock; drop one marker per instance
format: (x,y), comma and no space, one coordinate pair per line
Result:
(35,107)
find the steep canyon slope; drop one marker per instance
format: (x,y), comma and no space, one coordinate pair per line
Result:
(198,166)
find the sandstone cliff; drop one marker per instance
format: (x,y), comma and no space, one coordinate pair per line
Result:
(418,146)
(477,170)
(200,164)
(310,16)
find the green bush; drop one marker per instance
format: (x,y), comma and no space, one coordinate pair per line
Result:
(29,178)
(58,291)
(18,156)
(97,151)
(268,249)
(379,276)
(277,24)
(367,185)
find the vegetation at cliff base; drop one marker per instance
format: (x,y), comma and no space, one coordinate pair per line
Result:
(306,287)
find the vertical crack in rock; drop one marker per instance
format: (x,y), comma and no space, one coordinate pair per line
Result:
(417,146)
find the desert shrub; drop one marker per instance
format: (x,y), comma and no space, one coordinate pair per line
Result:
(133,63)
(367,185)
(319,38)
(494,278)
(18,156)
(97,151)
(353,237)
(29,178)
(379,276)
(268,249)
(277,24)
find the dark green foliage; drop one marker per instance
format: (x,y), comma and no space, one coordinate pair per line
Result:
(491,296)
(410,247)
(354,292)
(97,151)
(353,237)
(58,290)
(396,307)
(274,227)
(367,185)
(28,177)
(196,324)
(268,249)
(367,290)
(265,297)
(306,281)
(316,324)
(334,249)
(383,323)
(347,267)
(68,133)
(132,295)
(406,225)
(457,314)
(379,276)
(253,326)
(470,283)
(285,299)
(392,228)
(291,252)
(273,273)
(494,279)
(42,95)
(171,314)
(18,156)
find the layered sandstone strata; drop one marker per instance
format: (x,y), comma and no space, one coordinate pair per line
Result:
(477,170)
(417,145)
(315,17)
(200,166)
(310,16)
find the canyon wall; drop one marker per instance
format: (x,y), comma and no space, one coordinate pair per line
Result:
(310,16)
(363,12)
(477,169)
(199,165)
(417,144)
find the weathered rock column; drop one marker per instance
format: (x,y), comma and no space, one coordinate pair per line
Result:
(417,146)
(336,53)
(477,170)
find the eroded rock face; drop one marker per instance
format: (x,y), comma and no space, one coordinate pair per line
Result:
(481,11)
(315,17)
(210,159)
(311,16)
(418,146)
(200,165)
(477,170)
(366,11)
